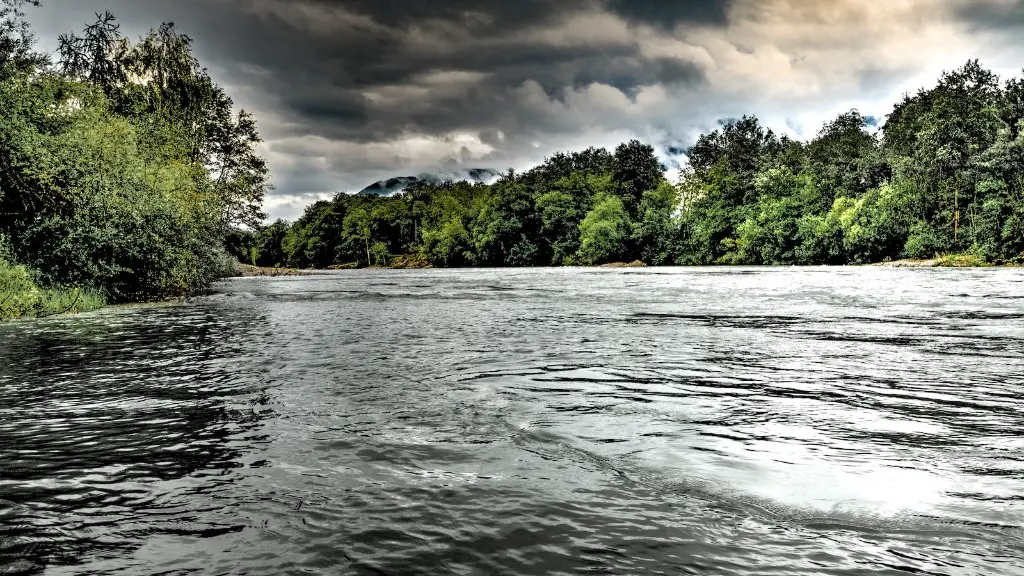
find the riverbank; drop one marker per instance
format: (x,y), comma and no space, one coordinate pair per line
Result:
(22,297)
(634,264)
(248,271)
(946,261)
(403,262)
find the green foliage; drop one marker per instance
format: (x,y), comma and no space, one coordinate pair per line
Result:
(635,170)
(845,160)
(507,227)
(945,174)
(449,245)
(960,261)
(357,233)
(16,54)
(306,244)
(239,244)
(563,209)
(876,226)
(924,242)
(604,231)
(269,245)
(21,296)
(123,170)
(943,177)
(820,236)
(769,235)
(126,170)
(655,233)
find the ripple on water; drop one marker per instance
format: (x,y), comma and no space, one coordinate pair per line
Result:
(748,421)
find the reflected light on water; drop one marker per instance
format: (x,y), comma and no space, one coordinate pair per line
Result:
(696,421)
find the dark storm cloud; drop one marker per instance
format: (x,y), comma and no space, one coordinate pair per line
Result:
(318,62)
(364,72)
(351,91)
(993,16)
(503,15)
(487,16)
(671,12)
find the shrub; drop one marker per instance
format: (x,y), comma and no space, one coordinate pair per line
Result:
(960,261)
(21,296)
(924,242)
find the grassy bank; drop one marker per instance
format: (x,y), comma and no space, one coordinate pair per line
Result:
(634,264)
(249,271)
(399,262)
(947,261)
(21,296)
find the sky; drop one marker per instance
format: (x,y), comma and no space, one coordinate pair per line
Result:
(348,92)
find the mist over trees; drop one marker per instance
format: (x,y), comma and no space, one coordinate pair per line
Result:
(123,165)
(943,175)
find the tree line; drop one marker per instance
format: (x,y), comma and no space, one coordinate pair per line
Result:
(123,165)
(944,174)
(126,174)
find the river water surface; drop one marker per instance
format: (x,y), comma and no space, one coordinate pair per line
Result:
(691,421)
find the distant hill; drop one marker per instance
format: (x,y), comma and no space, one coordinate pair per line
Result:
(393,186)
(390,186)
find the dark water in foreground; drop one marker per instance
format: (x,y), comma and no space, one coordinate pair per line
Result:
(778,421)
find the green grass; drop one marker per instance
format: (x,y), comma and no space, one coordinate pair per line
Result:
(960,261)
(22,297)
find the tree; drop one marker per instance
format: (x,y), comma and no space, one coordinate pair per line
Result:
(98,56)
(506,228)
(656,233)
(450,245)
(269,246)
(635,170)
(16,40)
(356,231)
(845,159)
(944,176)
(604,231)
(312,241)
(563,208)
(937,139)
(115,182)
(158,78)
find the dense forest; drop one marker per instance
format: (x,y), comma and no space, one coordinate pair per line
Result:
(123,167)
(943,175)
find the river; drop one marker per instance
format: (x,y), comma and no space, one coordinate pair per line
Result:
(542,421)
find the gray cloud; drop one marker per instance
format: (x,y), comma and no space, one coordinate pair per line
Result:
(350,91)
(668,13)
(1005,16)
(367,71)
